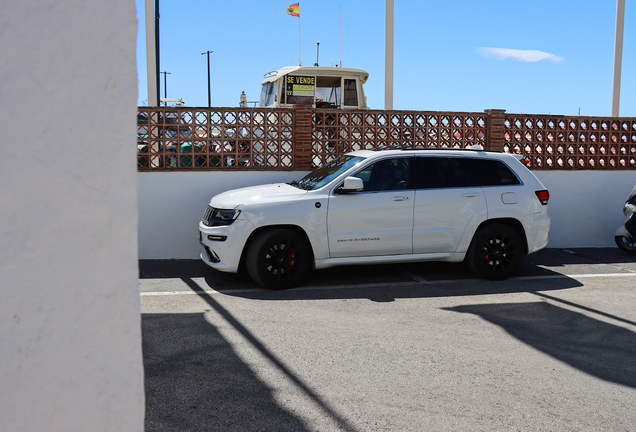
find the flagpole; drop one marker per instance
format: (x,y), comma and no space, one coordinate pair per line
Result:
(294,10)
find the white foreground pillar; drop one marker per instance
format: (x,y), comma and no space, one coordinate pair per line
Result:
(70,333)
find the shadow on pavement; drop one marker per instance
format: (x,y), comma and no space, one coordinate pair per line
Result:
(554,258)
(546,263)
(195,381)
(389,293)
(595,347)
(536,264)
(172,269)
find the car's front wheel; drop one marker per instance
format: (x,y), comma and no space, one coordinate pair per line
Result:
(278,259)
(496,252)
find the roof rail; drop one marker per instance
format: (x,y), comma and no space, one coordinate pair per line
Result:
(475,148)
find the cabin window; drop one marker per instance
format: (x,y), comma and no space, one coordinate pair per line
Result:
(350,93)
(327,92)
(268,91)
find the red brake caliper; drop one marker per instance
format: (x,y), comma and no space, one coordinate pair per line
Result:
(292,262)
(485,256)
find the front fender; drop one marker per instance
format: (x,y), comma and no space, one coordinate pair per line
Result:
(315,228)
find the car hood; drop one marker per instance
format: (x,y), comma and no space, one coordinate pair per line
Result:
(256,194)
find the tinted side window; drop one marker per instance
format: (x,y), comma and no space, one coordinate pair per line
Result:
(440,172)
(385,175)
(488,172)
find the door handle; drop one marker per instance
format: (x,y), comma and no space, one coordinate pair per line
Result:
(470,195)
(402,198)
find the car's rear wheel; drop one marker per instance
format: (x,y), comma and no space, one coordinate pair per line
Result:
(278,259)
(496,252)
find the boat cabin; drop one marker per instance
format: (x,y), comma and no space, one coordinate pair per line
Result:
(321,87)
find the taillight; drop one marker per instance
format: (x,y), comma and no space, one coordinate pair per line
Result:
(543,196)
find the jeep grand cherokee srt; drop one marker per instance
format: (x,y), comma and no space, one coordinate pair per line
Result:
(389,206)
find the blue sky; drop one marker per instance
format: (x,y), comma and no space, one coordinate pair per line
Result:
(535,57)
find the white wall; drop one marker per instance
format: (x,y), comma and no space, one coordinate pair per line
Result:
(171,204)
(585,206)
(70,342)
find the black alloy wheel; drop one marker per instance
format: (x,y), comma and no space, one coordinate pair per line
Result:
(496,252)
(278,259)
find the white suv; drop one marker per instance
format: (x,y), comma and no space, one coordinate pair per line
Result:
(386,206)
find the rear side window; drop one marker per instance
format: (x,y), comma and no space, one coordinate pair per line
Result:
(440,172)
(489,172)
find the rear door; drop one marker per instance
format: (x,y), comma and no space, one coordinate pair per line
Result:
(444,203)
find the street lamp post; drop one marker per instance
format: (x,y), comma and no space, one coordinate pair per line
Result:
(209,94)
(165,85)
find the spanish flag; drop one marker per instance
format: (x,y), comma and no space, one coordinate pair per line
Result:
(293,10)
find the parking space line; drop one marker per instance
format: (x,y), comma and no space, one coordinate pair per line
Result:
(210,291)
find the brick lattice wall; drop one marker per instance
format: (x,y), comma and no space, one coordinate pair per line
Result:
(302,138)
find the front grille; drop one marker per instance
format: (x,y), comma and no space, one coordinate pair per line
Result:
(208,215)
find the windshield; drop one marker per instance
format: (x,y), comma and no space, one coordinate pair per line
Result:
(321,176)
(268,92)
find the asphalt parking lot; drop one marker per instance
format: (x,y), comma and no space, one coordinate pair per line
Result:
(412,347)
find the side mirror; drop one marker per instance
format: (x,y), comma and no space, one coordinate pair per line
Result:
(351,184)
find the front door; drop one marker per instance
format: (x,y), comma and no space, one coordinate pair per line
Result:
(377,220)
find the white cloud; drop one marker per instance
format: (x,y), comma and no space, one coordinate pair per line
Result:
(530,56)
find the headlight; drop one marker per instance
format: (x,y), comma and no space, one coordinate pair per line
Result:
(219,217)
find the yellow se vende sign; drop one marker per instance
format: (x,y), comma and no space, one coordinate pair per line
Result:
(300,85)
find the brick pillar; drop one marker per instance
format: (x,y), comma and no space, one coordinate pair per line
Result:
(303,129)
(495,131)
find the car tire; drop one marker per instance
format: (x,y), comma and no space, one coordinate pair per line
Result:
(278,259)
(495,253)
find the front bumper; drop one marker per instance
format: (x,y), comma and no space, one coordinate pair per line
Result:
(223,245)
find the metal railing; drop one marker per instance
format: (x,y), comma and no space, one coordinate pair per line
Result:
(302,138)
